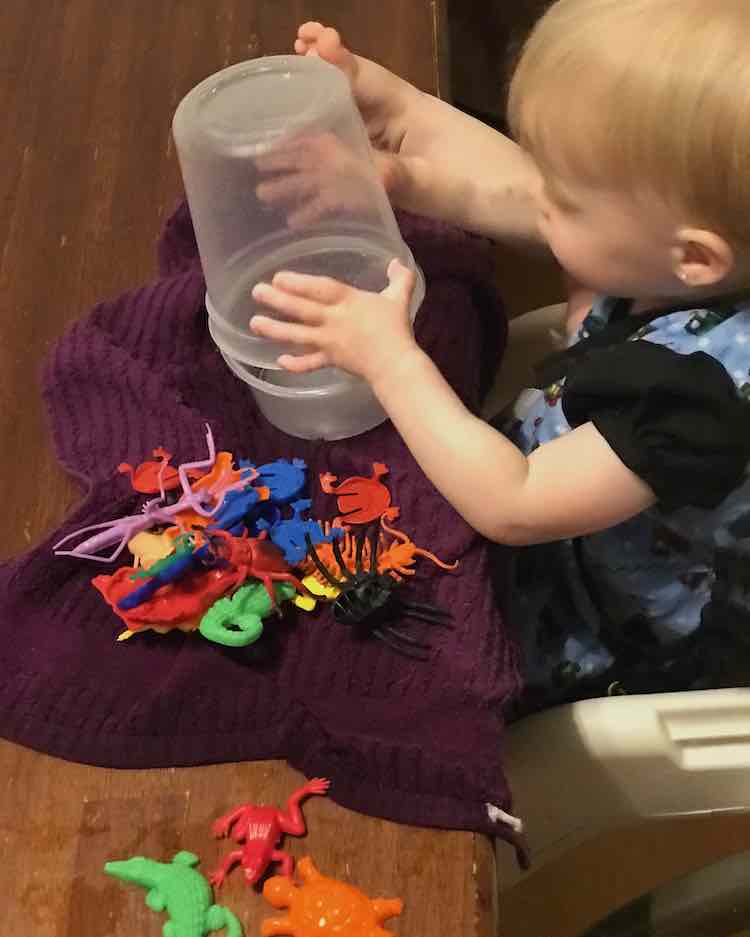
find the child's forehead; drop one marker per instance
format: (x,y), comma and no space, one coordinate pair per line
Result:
(561,135)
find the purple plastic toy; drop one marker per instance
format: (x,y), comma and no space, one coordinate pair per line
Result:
(121,530)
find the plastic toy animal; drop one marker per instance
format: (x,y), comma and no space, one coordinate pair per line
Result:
(257,558)
(264,515)
(286,480)
(148,548)
(261,828)
(214,487)
(182,545)
(237,621)
(396,558)
(173,605)
(156,477)
(123,529)
(185,559)
(119,531)
(367,598)
(289,534)
(235,507)
(361,500)
(325,907)
(179,889)
(316,590)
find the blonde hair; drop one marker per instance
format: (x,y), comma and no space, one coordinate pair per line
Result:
(650,94)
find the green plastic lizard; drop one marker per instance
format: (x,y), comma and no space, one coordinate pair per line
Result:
(243,611)
(183,545)
(179,889)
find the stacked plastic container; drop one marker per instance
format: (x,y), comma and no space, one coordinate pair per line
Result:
(279,176)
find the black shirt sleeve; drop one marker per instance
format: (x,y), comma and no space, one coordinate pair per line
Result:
(675,420)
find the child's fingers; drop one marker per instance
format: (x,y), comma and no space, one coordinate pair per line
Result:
(300,46)
(309,214)
(294,306)
(324,290)
(310,30)
(282,331)
(329,41)
(290,159)
(301,364)
(286,188)
(401,281)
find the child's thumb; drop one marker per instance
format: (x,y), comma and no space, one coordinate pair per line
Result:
(390,171)
(400,281)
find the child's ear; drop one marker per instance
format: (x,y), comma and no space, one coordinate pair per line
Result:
(701,258)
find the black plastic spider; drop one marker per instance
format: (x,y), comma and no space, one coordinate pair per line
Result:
(367,599)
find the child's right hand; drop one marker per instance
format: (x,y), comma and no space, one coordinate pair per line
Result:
(317,177)
(432,159)
(380,95)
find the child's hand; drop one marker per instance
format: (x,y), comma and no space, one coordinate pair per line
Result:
(317,176)
(363,333)
(381,97)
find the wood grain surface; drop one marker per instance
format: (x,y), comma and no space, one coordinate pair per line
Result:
(88,177)
(60,822)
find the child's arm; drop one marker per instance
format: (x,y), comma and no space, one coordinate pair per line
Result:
(458,169)
(435,160)
(573,486)
(570,487)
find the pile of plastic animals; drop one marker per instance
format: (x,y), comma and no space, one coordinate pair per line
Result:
(220,544)
(319,907)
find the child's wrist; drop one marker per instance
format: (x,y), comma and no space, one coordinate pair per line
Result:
(398,371)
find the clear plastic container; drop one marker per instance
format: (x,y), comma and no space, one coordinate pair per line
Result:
(279,175)
(324,404)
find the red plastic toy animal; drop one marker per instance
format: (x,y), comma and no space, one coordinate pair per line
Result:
(173,604)
(260,828)
(257,558)
(195,593)
(360,499)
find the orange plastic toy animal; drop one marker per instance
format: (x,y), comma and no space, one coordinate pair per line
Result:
(397,558)
(325,907)
(145,477)
(222,477)
(360,499)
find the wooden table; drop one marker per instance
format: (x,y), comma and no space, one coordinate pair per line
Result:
(87,92)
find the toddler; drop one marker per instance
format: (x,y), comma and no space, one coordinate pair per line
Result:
(624,475)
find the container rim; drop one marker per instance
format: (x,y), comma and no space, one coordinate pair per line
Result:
(247,338)
(331,95)
(342,382)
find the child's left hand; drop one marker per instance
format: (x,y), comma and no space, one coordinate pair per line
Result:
(363,333)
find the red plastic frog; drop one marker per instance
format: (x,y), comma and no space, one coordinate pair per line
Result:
(260,828)
(360,499)
(145,477)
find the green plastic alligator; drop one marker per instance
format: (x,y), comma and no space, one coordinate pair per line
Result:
(179,889)
(237,621)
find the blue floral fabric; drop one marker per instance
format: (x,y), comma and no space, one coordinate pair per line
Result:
(659,602)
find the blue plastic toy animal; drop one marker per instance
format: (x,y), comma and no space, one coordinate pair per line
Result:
(289,535)
(286,480)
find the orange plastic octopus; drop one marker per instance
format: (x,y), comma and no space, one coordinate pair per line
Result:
(325,907)
(397,558)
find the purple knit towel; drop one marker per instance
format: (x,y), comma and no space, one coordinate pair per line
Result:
(415,742)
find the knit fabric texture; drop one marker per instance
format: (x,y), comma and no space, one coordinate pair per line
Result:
(412,741)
